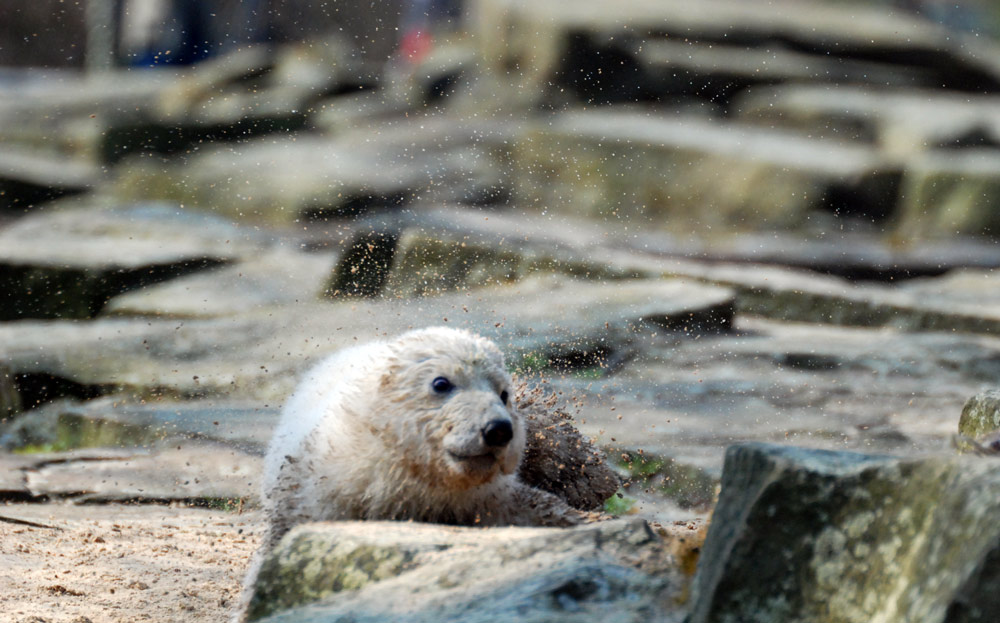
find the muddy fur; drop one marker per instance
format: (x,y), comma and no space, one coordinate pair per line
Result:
(557,458)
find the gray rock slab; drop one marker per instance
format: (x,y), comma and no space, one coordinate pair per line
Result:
(374,571)
(692,173)
(28,178)
(803,296)
(805,535)
(68,262)
(300,178)
(118,422)
(428,263)
(274,277)
(259,353)
(567,243)
(369,108)
(717,71)
(250,91)
(903,122)
(836,388)
(64,114)
(428,250)
(13,483)
(537,37)
(963,286)
(189,472)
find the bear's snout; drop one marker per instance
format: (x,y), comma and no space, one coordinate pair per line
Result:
(498,433)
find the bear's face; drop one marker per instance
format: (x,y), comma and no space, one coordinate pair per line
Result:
(452,411)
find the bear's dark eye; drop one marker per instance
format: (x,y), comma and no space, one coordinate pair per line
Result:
(441,385)
(504,396)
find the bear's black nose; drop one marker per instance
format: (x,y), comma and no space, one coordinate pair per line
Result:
(498,433)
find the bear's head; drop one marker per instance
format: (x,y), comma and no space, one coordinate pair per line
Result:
(450,409)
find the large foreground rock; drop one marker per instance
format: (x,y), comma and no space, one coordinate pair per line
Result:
(805,535)
(378,571)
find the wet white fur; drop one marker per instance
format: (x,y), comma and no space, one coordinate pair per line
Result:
(365,437)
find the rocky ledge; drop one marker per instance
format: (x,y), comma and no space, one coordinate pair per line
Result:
(375,571)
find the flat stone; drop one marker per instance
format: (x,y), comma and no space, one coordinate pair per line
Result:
(63,114)
(275,277)
(430,250)
(69,262)
(695,174)
(260,353)
(119,422)
(189,472)
(543,39)
(374,571)
(566,243)
(856,256)
(302,178)
(803,296)
(28,178)
(963,286)
(13,483)
(836,388)
(250,91)
(903,122)
(717,72)
(367,108)
(805,535)
(106,116)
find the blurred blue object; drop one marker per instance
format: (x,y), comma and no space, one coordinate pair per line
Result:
(165,32)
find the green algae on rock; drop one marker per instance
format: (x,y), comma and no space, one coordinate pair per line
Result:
(809,535)
(306,568)
(376,571)
(980,415)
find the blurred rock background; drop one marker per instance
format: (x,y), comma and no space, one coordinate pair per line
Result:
(699,223)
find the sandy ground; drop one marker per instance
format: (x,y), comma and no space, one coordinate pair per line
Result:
(116,563)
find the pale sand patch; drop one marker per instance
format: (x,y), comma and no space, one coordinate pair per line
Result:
(122,563)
